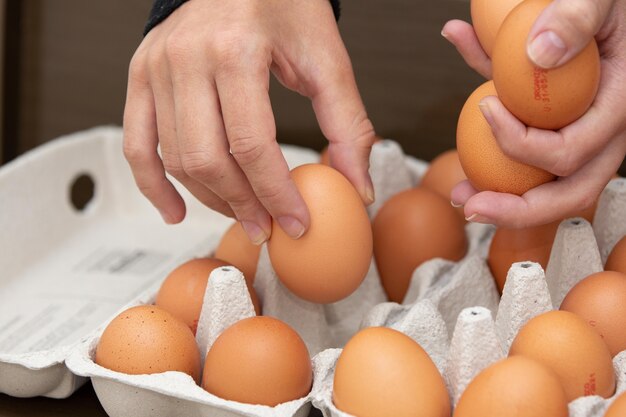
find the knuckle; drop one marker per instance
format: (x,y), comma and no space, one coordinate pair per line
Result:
(245,146)
(201,166)
(134,154)
(270,192)
(137,71)
(236,48)
(564,166)
(172,165)
(178,49)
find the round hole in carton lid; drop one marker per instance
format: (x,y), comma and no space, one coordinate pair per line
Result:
(575,222)
(82,191)
(526,265)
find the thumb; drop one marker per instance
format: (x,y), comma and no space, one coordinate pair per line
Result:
(564,28)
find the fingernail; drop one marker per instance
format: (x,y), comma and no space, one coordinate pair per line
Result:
(369,194)
(292,226)
(547,49)
(477,218)
(486,111)
(254,232)
(444,34)
(455,205)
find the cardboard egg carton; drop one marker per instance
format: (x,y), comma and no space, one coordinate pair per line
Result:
(462,345)
(442,309)
(65,270)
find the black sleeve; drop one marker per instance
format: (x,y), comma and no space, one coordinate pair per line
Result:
(161,9)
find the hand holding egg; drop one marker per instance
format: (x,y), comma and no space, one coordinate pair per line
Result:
(584,153)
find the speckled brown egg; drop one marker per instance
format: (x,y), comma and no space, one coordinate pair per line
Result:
(617,258)
(182,292)
(565,343)
(236,249)
(259,360)
(382,372)
(601,300)
(330,260)
(520,245)
(513,387)
(542,98)
(148,340)
(412,227)
(484,163)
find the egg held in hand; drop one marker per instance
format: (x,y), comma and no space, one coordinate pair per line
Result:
(486,166)
(148,340)
(329,262)
(542,98)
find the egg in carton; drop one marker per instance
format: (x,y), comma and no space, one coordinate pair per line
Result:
(321,326)
(478,340)
(226,301)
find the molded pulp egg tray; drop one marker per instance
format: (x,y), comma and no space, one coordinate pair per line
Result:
(66,272)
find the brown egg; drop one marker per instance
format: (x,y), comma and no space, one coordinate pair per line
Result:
(546,99)
(487,16)
(148,340)
(520,245)
(259,360)
(182,292)
(382,372)
(567,345)
(236,249)
(601,300)
(486,167)
(513,387)
(617,258)
(617,407)
(330,261)
(443,174)
(412,227)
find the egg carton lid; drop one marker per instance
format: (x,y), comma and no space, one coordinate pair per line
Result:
(67,270)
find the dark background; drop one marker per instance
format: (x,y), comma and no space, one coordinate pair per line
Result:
(66,65)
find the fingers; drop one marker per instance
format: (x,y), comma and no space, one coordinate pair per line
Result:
(561,152)
(251,132)
(204,149)
(551,201)
(564,28)
(462,36)
(344,122)
(169,139)
(140,149)
(462,192)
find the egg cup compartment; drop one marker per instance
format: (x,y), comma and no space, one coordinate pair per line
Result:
(226,301)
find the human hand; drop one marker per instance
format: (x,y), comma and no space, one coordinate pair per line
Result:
(198,89)
(585,154)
